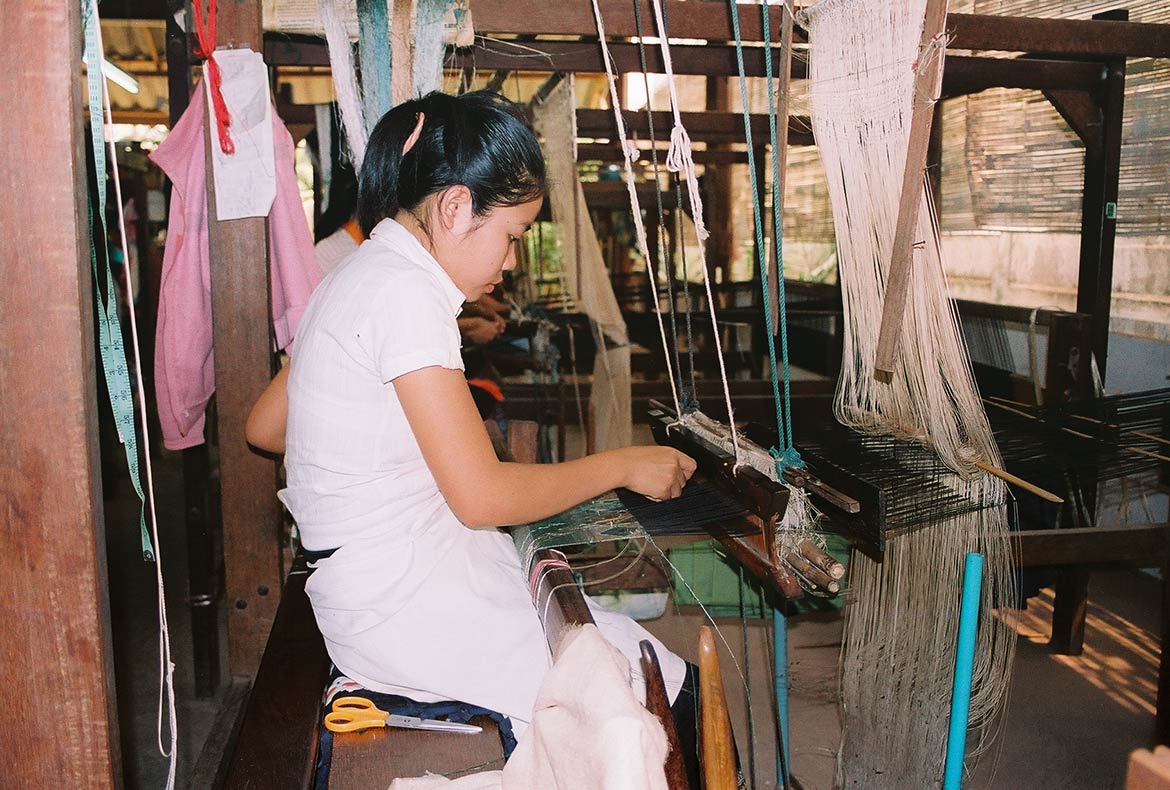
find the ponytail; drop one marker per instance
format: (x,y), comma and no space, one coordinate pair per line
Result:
(477,139)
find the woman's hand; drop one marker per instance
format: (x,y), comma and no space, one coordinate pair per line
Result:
(656,472)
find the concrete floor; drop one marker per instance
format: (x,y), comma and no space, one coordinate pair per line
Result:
(1070,724)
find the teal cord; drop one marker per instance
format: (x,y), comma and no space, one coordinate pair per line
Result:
(787,456)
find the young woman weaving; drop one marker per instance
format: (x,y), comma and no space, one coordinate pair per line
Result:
(390,470)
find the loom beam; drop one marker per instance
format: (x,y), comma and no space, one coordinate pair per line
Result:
(750,539)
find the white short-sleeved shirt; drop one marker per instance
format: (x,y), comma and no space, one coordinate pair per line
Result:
(412,602)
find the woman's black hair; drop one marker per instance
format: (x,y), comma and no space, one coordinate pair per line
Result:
(477,139)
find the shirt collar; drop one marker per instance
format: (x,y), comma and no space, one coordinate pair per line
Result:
(398,238)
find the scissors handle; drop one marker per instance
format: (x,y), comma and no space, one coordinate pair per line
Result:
(346,721)
(351,714)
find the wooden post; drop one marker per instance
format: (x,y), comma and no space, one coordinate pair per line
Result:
(1099,208)
(55,618)
(243,366)
(1068,380)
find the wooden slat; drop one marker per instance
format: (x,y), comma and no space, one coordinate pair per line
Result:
(701,126)
(1144,546)
(906,230)
(56,622)
(243,359)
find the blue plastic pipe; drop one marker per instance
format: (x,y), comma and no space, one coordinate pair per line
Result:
(780,653)
(964,666)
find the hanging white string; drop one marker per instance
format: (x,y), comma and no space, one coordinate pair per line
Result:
(680,160)
(345,84)
(628,151)
(166,681)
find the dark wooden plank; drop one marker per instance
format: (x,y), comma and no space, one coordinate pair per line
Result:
(56,622)
(726,127)
(1058,36)
(709,21)
(277,744)
(243,360)
(1143,546)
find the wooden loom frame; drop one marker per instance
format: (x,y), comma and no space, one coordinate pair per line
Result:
(47,57)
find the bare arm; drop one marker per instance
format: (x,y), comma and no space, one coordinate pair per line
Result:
(265,428)
(484,492)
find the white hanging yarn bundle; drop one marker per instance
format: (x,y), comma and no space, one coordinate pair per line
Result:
(899,647)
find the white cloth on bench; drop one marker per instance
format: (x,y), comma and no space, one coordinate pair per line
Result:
(589,730)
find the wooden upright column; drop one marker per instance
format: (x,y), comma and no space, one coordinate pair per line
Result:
(243,359)
(55,614)
(1099,209)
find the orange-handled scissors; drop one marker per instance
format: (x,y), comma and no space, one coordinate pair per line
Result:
(350,714)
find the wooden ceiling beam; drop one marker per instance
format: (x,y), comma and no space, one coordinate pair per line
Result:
(701,20)
(962,74)
(711,22)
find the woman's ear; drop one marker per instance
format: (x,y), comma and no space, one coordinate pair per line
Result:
(455,210)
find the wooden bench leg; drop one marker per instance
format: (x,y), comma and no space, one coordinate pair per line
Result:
(1068,616)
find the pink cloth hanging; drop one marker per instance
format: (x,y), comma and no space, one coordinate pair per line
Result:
(184,364)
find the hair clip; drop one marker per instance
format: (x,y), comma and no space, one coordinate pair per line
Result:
(413,138)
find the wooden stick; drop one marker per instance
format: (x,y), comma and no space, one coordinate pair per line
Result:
(822,559)
(1009,409)
(811,573)
(658,703)
(1150,436)
(1010,401)
(1008,477)
(1140,451)
(716,749)
(1034,417)
(902,258)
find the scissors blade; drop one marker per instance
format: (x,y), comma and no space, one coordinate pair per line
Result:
(415,723)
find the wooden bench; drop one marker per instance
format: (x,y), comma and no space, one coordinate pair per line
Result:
(277,742)
(280,728)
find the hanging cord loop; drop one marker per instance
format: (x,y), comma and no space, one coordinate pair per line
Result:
(206,50)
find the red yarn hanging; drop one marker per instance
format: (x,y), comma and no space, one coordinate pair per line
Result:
(206,49)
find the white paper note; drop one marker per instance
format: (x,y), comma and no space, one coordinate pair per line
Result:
(245,181)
